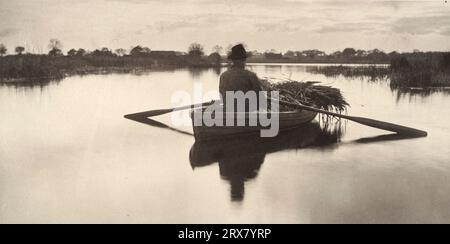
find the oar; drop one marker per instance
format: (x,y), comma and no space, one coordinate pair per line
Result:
(157,112)
(401,130)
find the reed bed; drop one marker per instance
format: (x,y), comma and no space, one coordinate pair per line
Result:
(372,71)
(422,72)
(30,66)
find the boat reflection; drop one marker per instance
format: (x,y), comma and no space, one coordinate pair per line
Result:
(241,158)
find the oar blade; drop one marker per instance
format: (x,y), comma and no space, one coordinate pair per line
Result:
(151,113)
(399,129)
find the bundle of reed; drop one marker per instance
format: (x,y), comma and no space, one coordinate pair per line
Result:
(311,94)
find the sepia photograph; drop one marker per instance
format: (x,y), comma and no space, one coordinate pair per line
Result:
(256,112)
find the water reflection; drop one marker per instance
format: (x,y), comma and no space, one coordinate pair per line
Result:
(384,138)
(240,158)
(154,123)
(197,72)
(217,70)
(273,69)
(403,93)
(374,73)
(32,83)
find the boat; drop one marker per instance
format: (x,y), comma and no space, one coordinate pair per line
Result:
(287,120)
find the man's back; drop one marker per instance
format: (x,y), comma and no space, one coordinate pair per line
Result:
(239,79)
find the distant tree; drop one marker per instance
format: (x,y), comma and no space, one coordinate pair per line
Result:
(299,54)
(55,48)
(139,51)
(217,49)
(19,50)
(361,53)
(377,55)
(55,52)
(255,53)
(215,58)
(146,50)
(55,44)
(313,53)
(72,52)
(349,52)
(195,50)
(3,50)
(273,55)
(104,52)
(289,54)
(393,54)
(81,52)
(271,51)
(374,51)
(336,54)
(121,51)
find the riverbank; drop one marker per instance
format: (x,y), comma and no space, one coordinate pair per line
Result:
(37,67)
(404,71)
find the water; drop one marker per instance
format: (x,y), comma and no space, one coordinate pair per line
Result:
(67,155)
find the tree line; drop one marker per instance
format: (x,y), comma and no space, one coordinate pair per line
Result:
(198,50)
(55,50)
(421,68)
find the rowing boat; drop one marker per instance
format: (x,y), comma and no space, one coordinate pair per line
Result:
(287,120)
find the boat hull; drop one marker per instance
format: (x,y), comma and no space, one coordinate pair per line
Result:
(287,120)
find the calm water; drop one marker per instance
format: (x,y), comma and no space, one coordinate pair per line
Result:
(67,155)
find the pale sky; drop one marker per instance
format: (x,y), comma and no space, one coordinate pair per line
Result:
(261,24)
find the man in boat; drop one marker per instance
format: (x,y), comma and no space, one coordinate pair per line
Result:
(237,78)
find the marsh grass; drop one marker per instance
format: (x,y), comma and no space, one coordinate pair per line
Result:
(372,71)
(421,71)
(32,67)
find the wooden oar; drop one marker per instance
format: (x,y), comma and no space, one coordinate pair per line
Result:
(153,113)
(401,130)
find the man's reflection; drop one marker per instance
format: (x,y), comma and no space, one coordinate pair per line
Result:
(239,170)
(241,158)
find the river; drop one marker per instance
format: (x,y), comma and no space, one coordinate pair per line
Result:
(67,155)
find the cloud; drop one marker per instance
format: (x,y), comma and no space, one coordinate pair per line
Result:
(7,32)
(171,26)
(198,22)
(423,25)
(349,27)
(290,25)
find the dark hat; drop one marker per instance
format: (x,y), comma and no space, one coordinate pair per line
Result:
(238,52)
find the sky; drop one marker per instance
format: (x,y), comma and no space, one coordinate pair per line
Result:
(260,24)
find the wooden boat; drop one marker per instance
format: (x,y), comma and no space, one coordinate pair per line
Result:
(287,120)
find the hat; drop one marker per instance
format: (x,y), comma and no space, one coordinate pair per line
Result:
(238,52)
